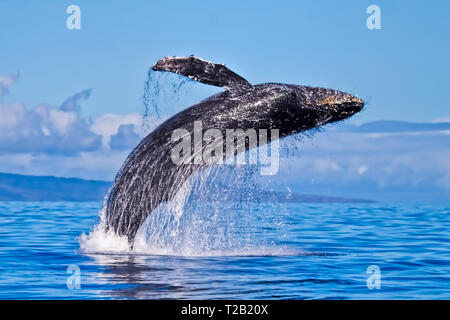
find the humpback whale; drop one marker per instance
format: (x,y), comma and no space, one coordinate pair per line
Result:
(150,177)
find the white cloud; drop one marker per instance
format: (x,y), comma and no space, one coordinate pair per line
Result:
(48,140)
(58,140)
(72,103)
(44,129)
(125,138)
(362,169)
(442,119)
(6,82)
(108,125)
(367,165)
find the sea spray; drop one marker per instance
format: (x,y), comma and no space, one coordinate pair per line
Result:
(163,93)
(217,212)
(205,217)
(101,241)
(211,214)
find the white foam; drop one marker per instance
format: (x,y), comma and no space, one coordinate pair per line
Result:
(99,241)
(193,228)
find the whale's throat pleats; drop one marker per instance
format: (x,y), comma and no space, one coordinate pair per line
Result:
(202,71)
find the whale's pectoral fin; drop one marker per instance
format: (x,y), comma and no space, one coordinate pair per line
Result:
(202,71)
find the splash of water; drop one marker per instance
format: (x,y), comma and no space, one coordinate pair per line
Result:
(215,212)
(206,217)
(163,93)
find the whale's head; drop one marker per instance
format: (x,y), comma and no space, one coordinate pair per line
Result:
(330,105)
(299,108)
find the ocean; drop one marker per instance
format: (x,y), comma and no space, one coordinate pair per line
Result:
(51,250)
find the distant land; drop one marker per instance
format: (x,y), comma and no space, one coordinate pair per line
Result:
(15,187)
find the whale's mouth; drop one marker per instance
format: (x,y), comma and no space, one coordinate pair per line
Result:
(325,105)
(340,108)
(348,109)
(329,114)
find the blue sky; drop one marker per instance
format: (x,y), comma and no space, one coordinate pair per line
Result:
(71,100)
(401,70)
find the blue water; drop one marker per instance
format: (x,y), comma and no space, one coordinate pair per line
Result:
(291,251)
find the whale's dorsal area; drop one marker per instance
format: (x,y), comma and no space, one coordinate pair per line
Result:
(202,71)
(150,177)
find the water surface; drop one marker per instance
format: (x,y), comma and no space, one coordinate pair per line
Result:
(291,251)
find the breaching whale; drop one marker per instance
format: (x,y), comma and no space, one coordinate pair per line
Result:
(149,175)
